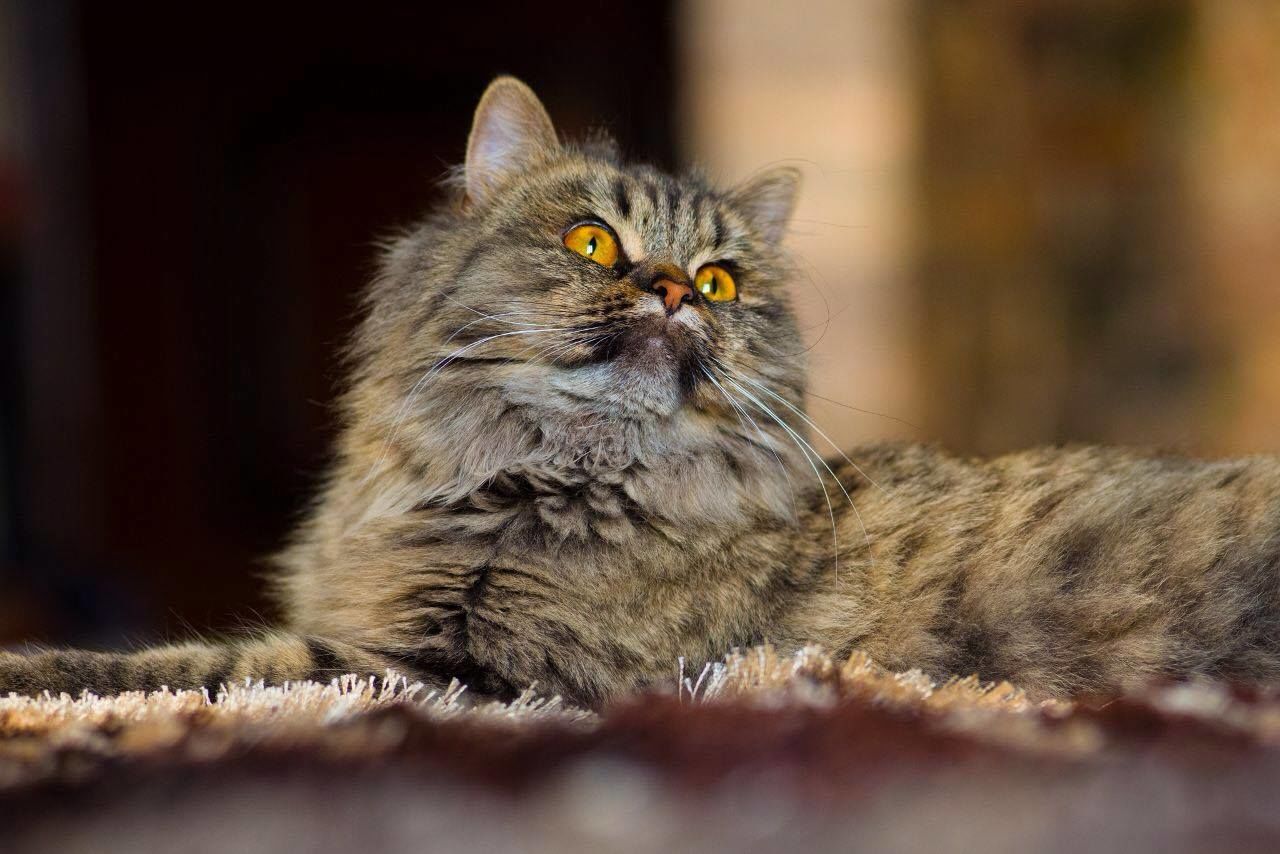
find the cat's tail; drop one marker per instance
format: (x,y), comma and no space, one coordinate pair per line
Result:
(274,657)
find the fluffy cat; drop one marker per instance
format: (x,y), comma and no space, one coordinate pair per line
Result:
(575,450)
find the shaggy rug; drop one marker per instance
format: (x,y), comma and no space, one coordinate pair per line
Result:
(760,753)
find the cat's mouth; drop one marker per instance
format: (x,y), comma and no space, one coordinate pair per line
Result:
(647,366)
(654,345)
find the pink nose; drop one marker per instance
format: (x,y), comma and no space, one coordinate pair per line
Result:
(674,294)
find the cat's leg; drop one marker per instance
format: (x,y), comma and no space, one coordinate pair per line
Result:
(274,657)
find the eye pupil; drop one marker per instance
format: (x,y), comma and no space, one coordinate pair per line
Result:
(591,246)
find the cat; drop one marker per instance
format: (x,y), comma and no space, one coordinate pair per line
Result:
(574,452)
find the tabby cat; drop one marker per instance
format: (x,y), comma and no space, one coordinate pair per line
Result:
(575,451)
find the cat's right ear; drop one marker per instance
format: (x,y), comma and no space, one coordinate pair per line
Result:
(768,200)
(510,131)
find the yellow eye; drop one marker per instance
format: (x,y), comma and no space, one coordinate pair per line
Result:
(715,284)
(594,242)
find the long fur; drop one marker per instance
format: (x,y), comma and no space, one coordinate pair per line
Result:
(545,477)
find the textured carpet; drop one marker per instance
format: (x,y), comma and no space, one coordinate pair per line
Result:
(761,753)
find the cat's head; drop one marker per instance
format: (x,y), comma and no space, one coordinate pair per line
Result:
(597,305)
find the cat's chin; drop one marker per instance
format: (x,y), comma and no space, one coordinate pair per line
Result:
(629,387)
(644,374)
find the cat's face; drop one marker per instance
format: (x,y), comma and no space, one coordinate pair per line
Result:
(570,284)
(626,287)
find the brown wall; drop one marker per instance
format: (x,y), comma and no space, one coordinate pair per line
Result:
(1033,222)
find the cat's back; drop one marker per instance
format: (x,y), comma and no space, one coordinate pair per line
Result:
(1055,491)
(1067,569)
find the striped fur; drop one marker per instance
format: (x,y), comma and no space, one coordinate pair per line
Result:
(275,657)
(544,477)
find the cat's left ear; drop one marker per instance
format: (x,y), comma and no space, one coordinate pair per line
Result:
(768,200)
(511,130)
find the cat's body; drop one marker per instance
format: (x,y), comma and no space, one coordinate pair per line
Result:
(577,469)
(1063,570)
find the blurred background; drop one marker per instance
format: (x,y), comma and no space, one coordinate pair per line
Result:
(1042,221)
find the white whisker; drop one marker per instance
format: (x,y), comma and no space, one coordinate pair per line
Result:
(816,456)
(816,429)
(805,451)
(738,408)
(435,369)
(495,317)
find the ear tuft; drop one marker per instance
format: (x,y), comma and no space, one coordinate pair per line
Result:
(768,200)
(511,130)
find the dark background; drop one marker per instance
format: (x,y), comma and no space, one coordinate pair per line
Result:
(182,259)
